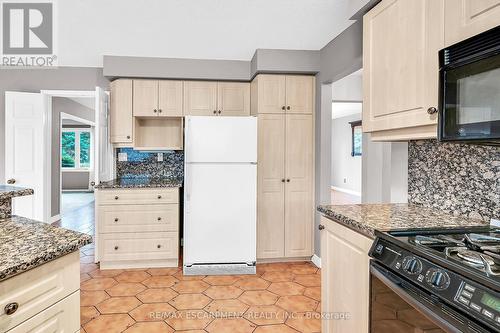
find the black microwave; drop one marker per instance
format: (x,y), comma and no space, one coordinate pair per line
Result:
(469,83)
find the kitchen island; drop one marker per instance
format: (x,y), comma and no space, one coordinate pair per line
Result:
(347,235)
(137,222)
(39,276)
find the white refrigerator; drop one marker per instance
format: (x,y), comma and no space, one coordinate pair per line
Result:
(220,195)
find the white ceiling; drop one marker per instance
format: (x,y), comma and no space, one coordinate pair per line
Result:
(207,29)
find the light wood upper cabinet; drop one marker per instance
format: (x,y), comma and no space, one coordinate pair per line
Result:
(466,18)
(345,278)
(145,98)
(271,186)
(121,123)
(233,98)
(200,98)
(299,94)
(299,206)
(269,93)
(170,98)
(401,40)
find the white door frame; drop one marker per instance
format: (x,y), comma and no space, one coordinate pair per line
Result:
(47,96)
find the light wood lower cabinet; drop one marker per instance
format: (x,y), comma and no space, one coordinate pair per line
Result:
(467,18)
(48,298)
(285,178)
(137,228)
(345,278)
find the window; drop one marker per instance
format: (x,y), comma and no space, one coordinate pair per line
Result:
(357,137)
(76,148)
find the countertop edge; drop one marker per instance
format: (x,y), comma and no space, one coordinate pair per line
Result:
(349,223)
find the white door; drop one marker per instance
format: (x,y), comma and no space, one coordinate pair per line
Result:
(221,139)
(25,151)
(220,213)
(103,164)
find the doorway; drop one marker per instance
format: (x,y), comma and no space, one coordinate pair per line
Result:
(347,139)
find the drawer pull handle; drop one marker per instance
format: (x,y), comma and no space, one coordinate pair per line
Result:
(116,197)
(159,218)
(159,196)
(116,247)
(116,219)
(11,308)
(158,246)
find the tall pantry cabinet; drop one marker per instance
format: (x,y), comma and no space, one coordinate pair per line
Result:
(284,106)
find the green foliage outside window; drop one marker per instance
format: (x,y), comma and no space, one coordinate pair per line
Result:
(74,144)
(68,149)
(85,150)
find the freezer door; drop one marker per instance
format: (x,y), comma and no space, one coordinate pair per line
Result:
(220,213)
(220,139)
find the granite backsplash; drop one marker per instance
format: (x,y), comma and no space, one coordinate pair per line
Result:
(461,179)
(146,164)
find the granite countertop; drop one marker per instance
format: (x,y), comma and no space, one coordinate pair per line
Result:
(26,244)
(141,182)
(9,192)
(366,218)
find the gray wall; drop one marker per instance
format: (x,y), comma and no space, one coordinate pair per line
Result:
(72,180)
(34,80)
(61,104)
(344,165)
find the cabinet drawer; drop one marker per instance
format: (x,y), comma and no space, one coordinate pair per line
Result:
(139,246)
(138,218)
(37,289)
(139,196)
(63,316)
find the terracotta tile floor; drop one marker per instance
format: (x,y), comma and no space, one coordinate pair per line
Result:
(281,298)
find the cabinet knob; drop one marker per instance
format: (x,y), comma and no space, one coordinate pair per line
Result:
(288,107)
(160,110)
(283,107)
(283,180)
(116,197)
(288,180)
(128,136)
(158,246)
(155,110)
(159,196)
(159,218)
(220,112)
(116,219)
(432,110)
(11,308)
(215,111)
(321,227)
(116,248)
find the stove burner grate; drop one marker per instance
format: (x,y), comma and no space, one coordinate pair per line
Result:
(474,257)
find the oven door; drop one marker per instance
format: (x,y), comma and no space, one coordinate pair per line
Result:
(397,305)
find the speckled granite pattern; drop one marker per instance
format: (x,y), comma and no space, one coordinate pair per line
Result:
(26,244)
(460,179)
(140,182)
(145,164)
(8,192)
(366,218)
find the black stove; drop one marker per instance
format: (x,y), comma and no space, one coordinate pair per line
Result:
(455,271)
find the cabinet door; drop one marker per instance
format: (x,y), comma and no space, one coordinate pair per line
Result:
(299,94)
(345,278)
(200,98)
(401,40)
(271,96)
(145,98)
(170,98)
(270,186)
(121,122)
(299,207)
(466,18)
(233,98)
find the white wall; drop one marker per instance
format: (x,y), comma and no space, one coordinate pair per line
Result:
(344,166)
(349,88)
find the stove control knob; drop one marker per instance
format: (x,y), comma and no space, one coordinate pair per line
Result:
(412,265)
(438,279)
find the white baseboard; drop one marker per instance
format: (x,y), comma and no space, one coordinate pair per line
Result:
(316,261)
(55,218)
(344,190)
